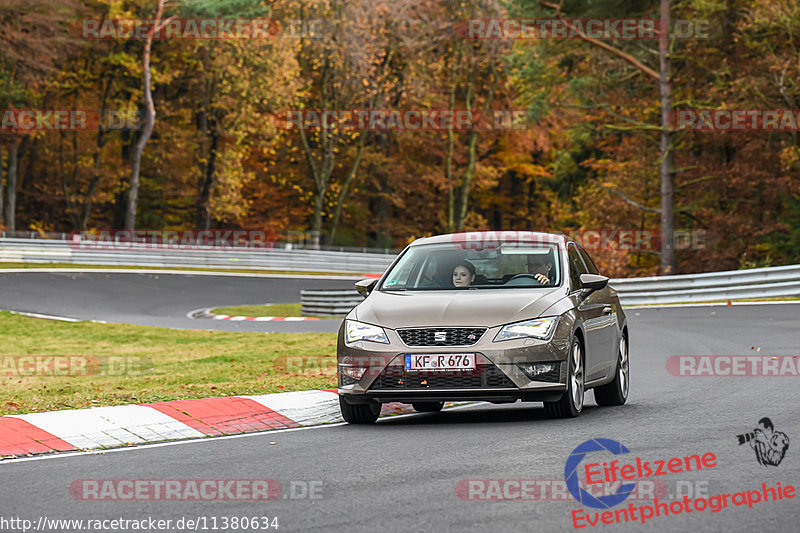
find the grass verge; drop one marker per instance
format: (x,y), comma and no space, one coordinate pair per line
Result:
(185,364)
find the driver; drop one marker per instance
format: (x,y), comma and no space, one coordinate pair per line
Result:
(540,266)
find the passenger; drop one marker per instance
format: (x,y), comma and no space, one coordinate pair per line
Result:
(463,274)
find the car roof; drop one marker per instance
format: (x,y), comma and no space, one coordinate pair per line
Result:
(494,237)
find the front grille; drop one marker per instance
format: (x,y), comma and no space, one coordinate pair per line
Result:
(484,376)
(441,336)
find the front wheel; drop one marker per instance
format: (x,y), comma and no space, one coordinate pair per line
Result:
(359,413)
(571,403)
(616,392)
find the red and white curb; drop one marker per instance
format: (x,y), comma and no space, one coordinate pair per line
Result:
(263,318)
(126,425)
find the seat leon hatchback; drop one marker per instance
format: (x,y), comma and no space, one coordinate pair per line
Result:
(491,316)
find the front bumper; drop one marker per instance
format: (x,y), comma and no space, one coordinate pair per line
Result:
(497,378)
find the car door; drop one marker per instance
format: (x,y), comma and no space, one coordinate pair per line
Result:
(590,311)
(607,331)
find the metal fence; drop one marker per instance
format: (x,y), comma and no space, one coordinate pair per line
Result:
(771,282)
(775,282)
(328,303)
(143,255)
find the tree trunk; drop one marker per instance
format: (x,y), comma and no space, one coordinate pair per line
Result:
(667,168)
(64,181)
(208,157)
(337,213)
(203,218)
(100,143)
(149,120)
(1,185)
(448,156)
(321,174)
(11,180)
(466,184)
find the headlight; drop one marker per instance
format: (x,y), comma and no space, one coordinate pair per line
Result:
(358,331)
(538,328)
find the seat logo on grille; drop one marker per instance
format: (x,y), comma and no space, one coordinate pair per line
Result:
(440,336)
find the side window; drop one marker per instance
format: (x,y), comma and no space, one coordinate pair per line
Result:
(576,267)
(588,261)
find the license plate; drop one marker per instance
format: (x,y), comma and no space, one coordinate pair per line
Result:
(447,361)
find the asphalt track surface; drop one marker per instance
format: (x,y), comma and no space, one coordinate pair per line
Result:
(401,474)
(161,299)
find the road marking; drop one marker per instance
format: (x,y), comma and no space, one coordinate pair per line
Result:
(48,317)
(162,444)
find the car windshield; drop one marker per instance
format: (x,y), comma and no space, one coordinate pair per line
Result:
(444,266)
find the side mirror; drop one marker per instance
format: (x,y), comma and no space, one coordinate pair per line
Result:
(593,282)
(365,286)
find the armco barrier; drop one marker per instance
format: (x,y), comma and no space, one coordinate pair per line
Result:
(60,251)
(773,282)
(328,303)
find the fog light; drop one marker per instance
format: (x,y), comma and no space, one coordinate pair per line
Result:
(355,372)
(534,370)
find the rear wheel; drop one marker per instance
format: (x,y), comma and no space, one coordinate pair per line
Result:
(427,407)
(616,392)
(359,413)
(571,403)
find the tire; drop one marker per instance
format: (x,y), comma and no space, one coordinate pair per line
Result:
(571,403)
(616,392)
(427,407)
(360,413)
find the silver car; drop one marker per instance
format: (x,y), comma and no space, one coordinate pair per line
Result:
(492,316)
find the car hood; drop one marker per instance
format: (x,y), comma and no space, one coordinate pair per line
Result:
(484,307)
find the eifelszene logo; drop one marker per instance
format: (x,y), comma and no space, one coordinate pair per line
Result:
(770,445)
(617,472)
(571,474)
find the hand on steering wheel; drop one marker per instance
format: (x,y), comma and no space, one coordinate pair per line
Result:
(541,278)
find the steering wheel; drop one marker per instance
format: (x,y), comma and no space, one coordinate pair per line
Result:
(525,275)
